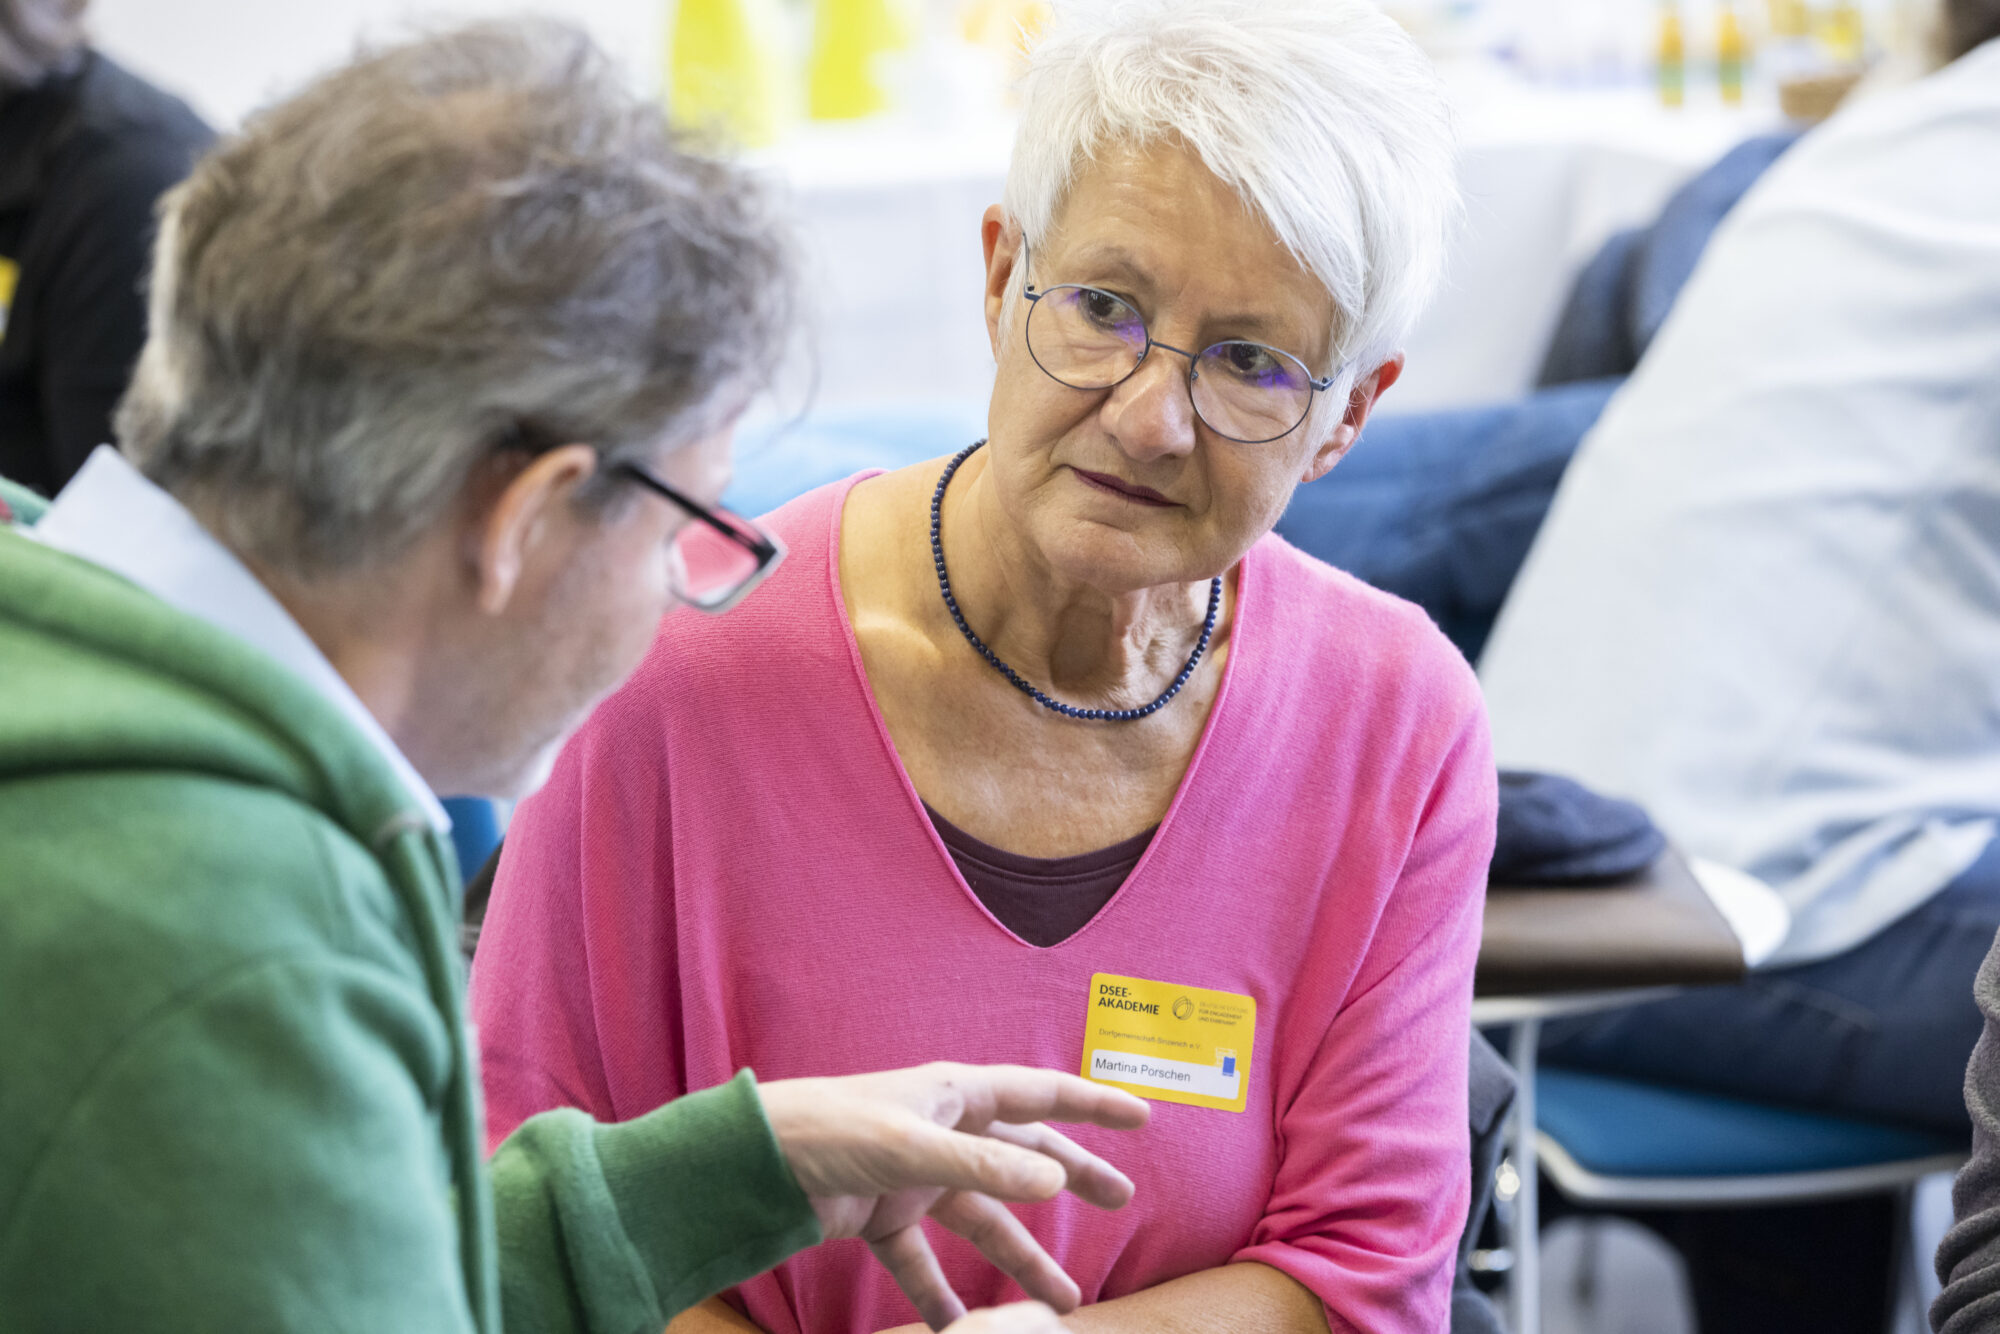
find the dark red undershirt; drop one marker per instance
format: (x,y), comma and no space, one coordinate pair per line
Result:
(1043,900)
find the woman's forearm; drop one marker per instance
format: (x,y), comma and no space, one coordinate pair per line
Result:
(714,1316)
(1247,1298)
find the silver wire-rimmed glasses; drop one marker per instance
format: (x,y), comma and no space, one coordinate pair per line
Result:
(1088,338)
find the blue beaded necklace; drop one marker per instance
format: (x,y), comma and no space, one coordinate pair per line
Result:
(1014,677)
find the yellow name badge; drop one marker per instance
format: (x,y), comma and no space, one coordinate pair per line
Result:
(1169,1043)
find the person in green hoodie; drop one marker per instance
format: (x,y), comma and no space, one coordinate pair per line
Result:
(444,356)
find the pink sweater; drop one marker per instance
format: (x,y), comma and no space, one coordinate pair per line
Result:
(730,868)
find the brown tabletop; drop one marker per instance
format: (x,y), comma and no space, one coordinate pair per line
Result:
(1657,929)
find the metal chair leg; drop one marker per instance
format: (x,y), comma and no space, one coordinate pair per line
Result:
(1524,1284)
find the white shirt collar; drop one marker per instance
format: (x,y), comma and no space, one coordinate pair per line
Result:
(111,516)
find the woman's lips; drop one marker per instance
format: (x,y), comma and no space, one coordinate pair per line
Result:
(1144,495)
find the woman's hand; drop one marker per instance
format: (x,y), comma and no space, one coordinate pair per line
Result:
(876,1153)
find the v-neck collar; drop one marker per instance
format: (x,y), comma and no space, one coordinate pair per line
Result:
(1165,837)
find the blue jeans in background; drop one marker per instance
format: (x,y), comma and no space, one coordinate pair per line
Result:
(1883,1031)
(1440,507)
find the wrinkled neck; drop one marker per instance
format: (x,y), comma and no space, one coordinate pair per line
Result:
(1112,648)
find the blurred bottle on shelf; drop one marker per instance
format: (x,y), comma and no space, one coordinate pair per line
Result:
(1844,35)
(1787,51)
(1671,55)
(723,70)
(1732,53)
(851,40)
(1789,20)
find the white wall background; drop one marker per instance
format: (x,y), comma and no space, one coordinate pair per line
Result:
(889,212)
(228,56)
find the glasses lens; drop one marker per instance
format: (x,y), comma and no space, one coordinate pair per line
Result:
(1086,338)
(1250,392)
(712,567)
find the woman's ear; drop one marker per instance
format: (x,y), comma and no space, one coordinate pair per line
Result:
(529,519)
(1001,240)
(1361,401)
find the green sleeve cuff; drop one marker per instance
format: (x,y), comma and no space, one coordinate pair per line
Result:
(620,1227)
(704,1194)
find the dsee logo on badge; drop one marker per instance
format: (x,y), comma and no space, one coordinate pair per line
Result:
(1183,1008)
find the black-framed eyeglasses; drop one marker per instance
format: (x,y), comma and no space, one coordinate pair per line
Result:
(1088,338)
(719,556)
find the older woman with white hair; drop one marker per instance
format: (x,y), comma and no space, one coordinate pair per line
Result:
(1049,752)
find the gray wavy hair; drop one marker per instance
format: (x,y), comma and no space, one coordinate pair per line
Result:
(38,38)
(468,241)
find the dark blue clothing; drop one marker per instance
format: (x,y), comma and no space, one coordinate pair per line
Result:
(1555,831)
(1884,1030)
(1440,507)
(1622,297)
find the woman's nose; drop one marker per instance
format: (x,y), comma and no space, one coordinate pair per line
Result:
(1150,414)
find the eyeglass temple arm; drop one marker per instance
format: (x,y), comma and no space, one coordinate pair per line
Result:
(1027,286)
(757,544)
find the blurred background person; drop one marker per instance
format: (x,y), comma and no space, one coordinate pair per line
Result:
(86,150)
(1766,605)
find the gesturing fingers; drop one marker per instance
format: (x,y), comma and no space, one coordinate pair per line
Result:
(1003,1239)
(907,1256)
(924,1154)
(1090,1177)
(1020,1093)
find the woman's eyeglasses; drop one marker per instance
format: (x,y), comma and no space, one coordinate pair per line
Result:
(1088,338)
(719,556)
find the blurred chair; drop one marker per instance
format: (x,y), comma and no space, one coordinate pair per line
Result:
(1624,1147)
(777,461)
(475,831)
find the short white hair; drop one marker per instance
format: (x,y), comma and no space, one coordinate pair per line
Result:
(1322,115)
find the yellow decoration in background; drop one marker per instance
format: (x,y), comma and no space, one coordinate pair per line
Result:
(1004,25)
(721,72)
(1788,18)
(1672,56)
(1843,35)
(1731,54)
(849,39)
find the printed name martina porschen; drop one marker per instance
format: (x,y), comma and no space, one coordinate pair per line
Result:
(1106,1065)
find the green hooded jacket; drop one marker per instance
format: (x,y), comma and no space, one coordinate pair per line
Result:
(235,1074)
